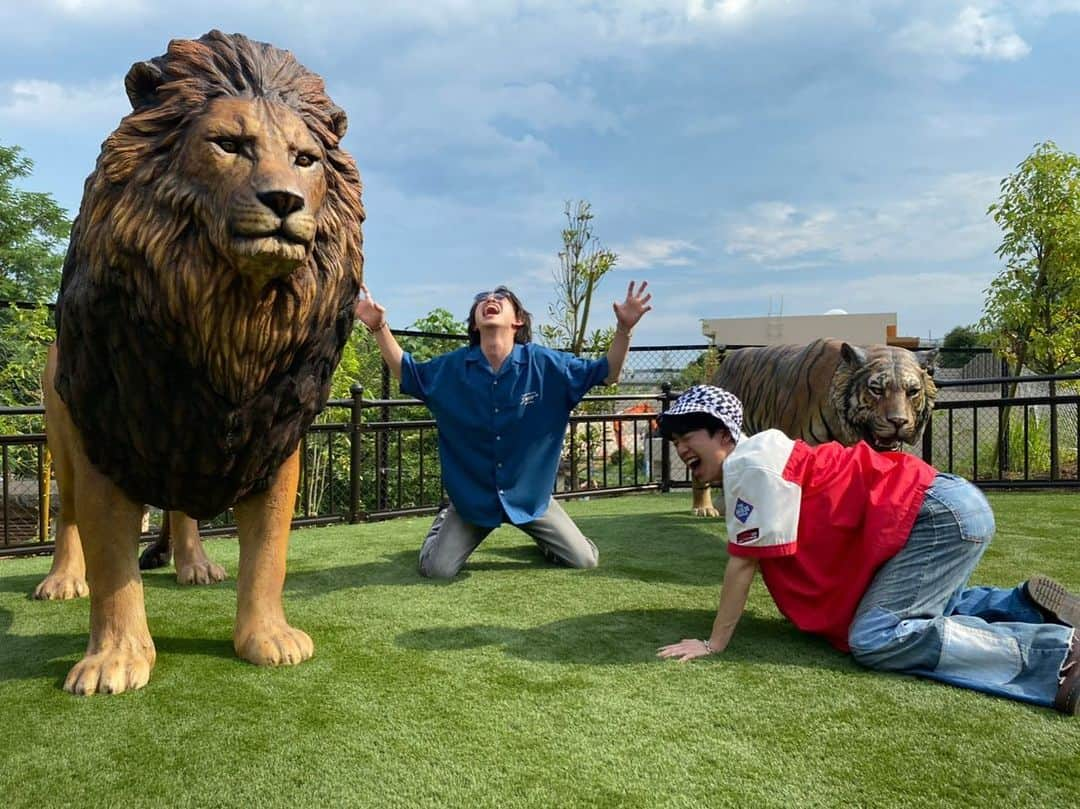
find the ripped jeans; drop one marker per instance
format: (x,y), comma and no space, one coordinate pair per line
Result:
(919,616)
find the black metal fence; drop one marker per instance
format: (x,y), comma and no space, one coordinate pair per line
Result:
(1007,432)
(366,459)
(374,458)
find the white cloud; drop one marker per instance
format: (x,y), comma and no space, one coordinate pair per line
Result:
(945,222)
(1045,8)
(973,33)
(646,254)
(722,10)
(957,297)
(542,105)
(37,103)
(875,293)
(88,8)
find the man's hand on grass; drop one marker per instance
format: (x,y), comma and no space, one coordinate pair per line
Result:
(686,649)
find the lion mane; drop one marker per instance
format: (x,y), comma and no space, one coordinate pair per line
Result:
(829,390)
(190,381)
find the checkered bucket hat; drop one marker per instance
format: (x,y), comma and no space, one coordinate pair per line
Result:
(707,400)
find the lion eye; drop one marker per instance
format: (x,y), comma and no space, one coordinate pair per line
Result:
(227,145)
(877,390)
(305,159)
(913,392)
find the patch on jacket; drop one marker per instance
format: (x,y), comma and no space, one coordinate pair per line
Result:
(742,510)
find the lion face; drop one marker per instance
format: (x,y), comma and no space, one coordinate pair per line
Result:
(264,175)
(887,394)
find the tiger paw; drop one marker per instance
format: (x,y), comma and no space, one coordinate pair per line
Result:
(61,587)
(273,644)
(112,670)
(706,511)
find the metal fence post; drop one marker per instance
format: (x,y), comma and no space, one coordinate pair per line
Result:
(355,452)
(1004,459)
(928,440)
(382,443)
(1055,457)
(665,446)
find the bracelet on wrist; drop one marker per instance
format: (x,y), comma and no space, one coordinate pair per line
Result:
(708,646)
(373,329)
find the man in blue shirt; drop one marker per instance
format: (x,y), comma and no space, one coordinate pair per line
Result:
(502,406)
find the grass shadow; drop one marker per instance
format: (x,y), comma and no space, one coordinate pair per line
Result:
(28,657)
(667,549)
(400,569)
(675,549)
(24,584)
(624,637)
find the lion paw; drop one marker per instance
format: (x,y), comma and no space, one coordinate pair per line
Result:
(706,511)
(201,572)
(61,587)
(274,645)
(110,671)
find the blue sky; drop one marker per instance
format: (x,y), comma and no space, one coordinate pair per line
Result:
(739,155)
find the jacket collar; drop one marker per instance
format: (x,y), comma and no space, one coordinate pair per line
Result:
(476,354)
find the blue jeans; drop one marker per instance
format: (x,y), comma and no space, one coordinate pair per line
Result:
(920,617)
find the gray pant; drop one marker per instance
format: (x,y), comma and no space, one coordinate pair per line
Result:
(451,540)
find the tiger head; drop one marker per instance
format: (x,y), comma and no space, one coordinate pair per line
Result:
(884,394)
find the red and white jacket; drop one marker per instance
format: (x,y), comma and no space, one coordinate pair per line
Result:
(822,520)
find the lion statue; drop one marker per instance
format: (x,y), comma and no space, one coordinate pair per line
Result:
(829,390)
(206,296)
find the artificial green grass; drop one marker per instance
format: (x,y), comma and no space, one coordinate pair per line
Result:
(520,684)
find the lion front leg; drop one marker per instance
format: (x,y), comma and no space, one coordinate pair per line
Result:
(120,653)
(262,635)
(703,503)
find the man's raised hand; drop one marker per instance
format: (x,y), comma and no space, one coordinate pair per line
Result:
(631,310)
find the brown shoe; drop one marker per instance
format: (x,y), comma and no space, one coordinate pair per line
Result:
(1068,693)
(1057,603)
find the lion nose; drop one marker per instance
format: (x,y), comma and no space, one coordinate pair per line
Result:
(281,202)
(898,421)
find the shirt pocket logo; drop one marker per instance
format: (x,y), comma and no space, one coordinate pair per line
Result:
(529,398)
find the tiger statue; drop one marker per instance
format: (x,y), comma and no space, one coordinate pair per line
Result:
(829,390)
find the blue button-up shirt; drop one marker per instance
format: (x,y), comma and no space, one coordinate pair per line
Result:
(501,434)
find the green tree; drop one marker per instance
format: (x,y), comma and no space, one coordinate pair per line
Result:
(956,347)
(33,237)
(700,370)
(437,321)
(1032,307)
(582,263)
(33,234)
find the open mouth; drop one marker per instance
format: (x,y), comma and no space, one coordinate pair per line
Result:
(490,309)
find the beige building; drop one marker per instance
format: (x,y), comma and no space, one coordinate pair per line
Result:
(861,329)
